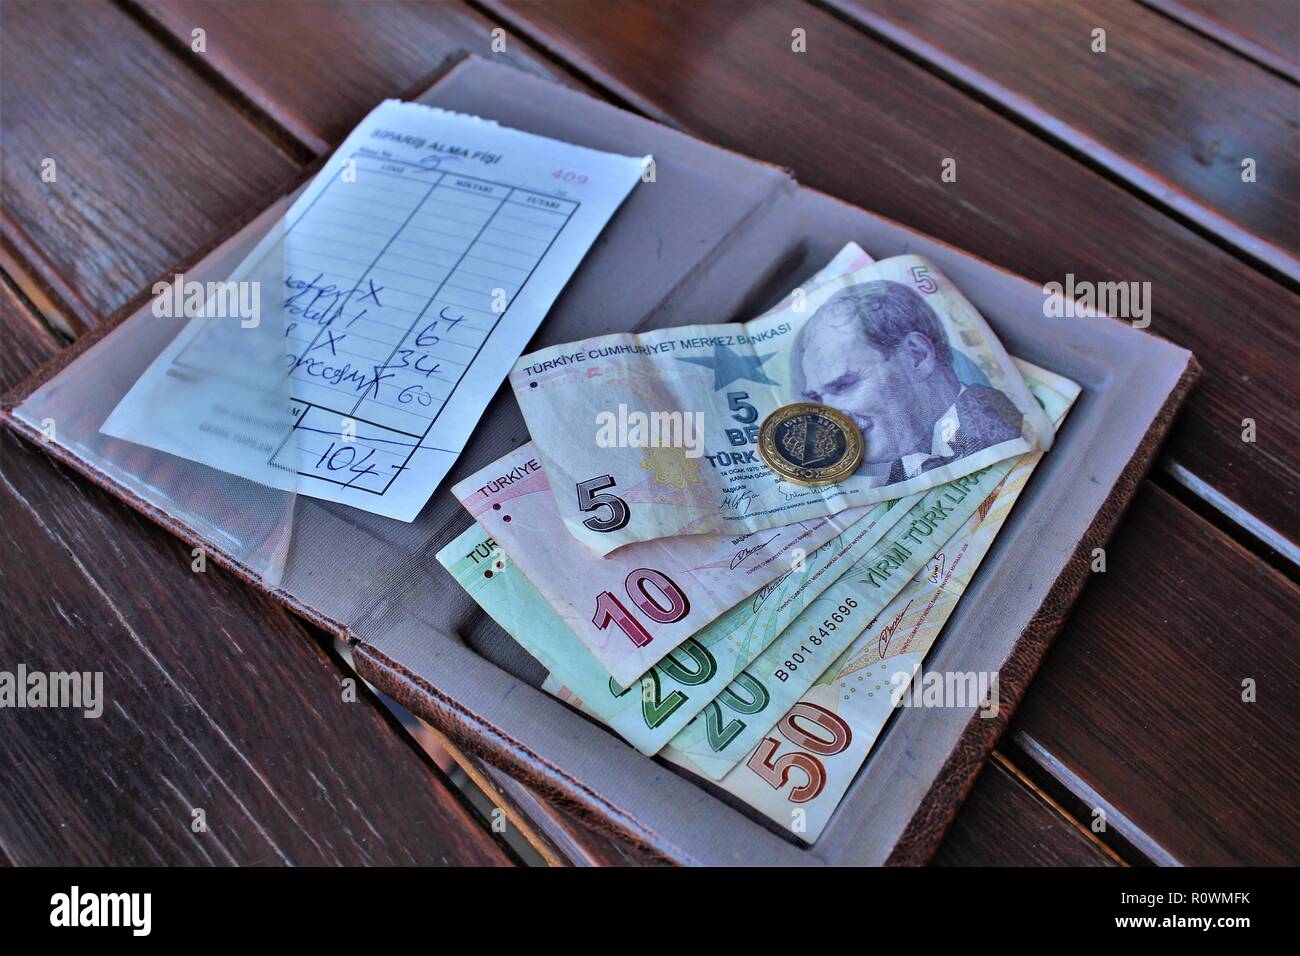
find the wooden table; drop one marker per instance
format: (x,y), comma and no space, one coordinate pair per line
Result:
(1117,166)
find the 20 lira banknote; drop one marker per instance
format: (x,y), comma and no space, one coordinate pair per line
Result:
(654,434)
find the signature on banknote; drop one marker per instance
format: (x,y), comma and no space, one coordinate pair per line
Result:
(887,632)
(766,591)
(740,500)
(791,492)
(744,553)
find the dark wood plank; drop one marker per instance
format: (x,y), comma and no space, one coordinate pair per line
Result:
(1163,108)
(1267,31)
(1140,701)
(318,67)
(28,342)
(151,163)
(865,124)
(214,698)
(1007,822)
(559,838)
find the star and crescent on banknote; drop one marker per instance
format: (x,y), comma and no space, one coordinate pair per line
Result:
(734,544)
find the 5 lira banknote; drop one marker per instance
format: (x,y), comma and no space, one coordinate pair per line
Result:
(652,435)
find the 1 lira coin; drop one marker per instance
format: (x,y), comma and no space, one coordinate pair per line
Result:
(810,444)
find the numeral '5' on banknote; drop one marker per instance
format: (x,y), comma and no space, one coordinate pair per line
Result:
(653,435)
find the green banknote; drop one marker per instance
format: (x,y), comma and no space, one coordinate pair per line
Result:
(804,765)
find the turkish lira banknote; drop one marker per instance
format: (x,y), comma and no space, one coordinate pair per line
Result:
(632,607)
(654,434)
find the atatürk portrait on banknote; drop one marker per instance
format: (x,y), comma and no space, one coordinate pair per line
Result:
(878,352)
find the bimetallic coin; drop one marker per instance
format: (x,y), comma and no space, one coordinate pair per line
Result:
(810,444)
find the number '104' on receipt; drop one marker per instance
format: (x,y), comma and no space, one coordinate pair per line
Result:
(351,353)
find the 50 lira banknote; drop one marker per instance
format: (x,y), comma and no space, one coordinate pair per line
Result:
(653,435)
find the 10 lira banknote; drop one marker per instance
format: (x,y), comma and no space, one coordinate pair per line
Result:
(653,435)
(632,607)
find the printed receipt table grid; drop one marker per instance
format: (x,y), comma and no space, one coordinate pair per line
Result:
(383,326)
